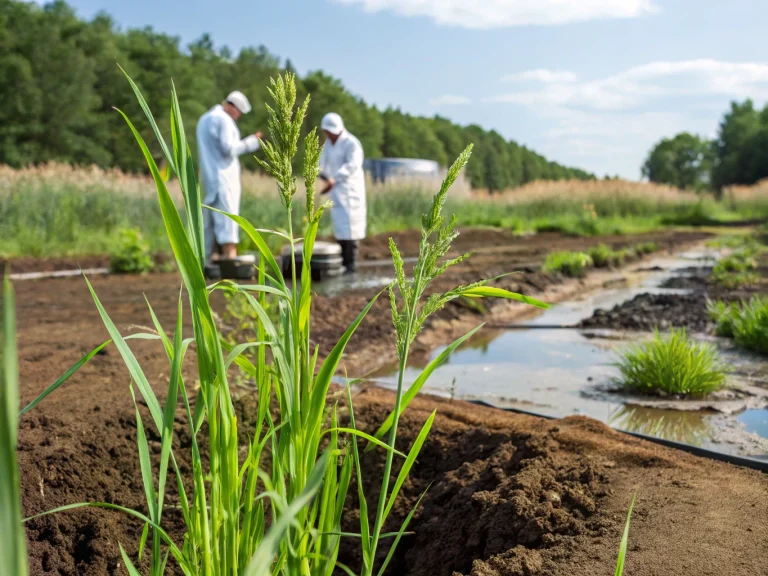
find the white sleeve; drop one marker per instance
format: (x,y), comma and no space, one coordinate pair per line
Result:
(230,143)
(352,162)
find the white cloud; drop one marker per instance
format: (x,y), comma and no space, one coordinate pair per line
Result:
(541,75)
(610,123)
(484,14)
(450,100)
(642,84)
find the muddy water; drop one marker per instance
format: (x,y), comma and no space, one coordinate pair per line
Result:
(545,366)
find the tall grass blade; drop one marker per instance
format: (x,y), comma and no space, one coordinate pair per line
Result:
(132,571)
(408,464)
(400,533)
(13,540)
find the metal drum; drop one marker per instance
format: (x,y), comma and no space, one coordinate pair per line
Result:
(326,260)
(241,268)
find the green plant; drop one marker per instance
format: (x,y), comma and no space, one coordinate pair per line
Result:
(573,264)
(723,314)
(672,365)
(646,248)
(736,270)
(131,253)
(302,489)
(750,325)
(13,543)
(735,241)
(603,256)
(624,541)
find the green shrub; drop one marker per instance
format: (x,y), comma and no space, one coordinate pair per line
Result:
(750,325)
(574,264)
(723,314)
(736,270)
(735,241)
(132,254)
(646,248)
(673,365)
(604,256)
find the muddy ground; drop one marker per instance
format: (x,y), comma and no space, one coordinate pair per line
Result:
(685,310)
(510,494)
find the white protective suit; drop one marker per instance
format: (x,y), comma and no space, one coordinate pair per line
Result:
(343,161)
(219,146)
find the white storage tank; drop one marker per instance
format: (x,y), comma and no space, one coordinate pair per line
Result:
(383,169)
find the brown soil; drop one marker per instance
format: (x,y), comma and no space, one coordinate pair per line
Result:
(510,494)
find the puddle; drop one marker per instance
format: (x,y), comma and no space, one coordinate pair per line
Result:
(558,372)
(755,421)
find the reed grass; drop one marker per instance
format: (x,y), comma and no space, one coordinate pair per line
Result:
(57,210)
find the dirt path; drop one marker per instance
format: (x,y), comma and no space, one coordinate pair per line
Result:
(79,444)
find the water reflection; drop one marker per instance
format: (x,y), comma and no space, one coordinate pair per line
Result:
(677,425)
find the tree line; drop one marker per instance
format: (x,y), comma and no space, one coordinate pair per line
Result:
(738,154)
(59,83)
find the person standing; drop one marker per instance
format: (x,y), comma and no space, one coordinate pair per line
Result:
(341,167)
(219,148)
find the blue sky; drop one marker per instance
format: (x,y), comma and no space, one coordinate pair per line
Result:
(591,83)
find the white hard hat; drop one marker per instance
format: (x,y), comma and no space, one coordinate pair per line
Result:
(239,101)
(333,123)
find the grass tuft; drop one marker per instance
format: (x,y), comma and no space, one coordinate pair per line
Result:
(672,365)
(131,254)
(747,323)
(573,264)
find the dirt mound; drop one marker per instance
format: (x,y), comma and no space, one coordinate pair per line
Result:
(649,311)
(512,495)
(517,496)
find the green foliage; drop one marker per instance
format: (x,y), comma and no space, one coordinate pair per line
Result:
(747,323)
(684,161)
(574,264)
(59,84)
(606,257)
(131,254)
(646,248)
(723,314)
(671,364)
(736,241)
(736,270)
(738,155)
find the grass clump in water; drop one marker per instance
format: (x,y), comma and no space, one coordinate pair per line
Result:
(723,315)
(672,365)
(747,323)
(573,264)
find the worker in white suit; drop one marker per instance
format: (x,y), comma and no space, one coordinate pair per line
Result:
(341,167)
(219,146)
